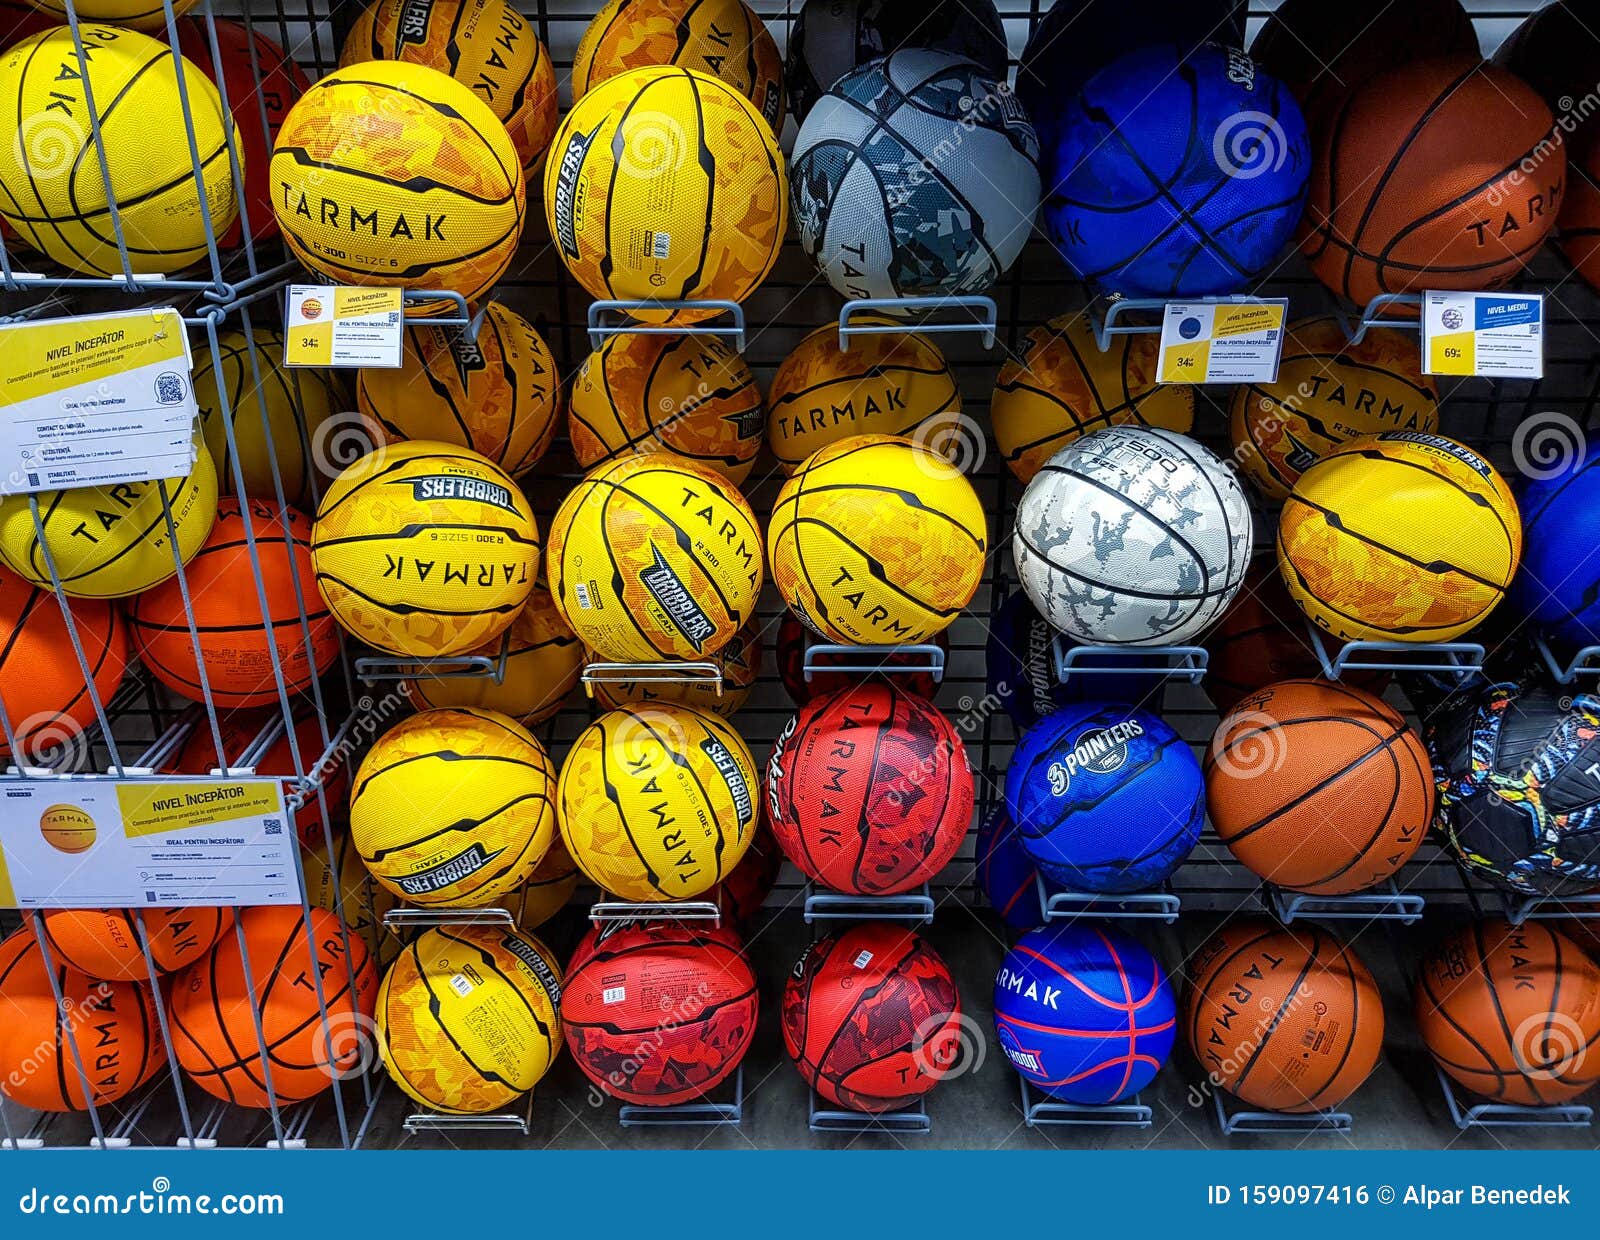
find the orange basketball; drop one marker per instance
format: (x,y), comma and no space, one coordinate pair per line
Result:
(1439,174)
(1318,787)
(1284,1018)
(1512,1012)
(233,634)
(212,1003)
(1578,229)
(104,943)
(112,1024)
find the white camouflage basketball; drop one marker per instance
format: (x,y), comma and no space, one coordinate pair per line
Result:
(1132,536)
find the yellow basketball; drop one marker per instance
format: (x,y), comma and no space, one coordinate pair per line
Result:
(877,541)
(113,541)
(1328,392)
(691,396)
(296,405)
(425,549)
(469,1017)
(740,661)
(1061,386)
(664,184)
(484,44)
(52,190)
(655,558)
(140,14)
(392,173)
(721,38)
(547,890)
(498,394)
(347,889)
(658,802)
(68,829)
(543,662)
(884,385)
(452,807)
(1400,536)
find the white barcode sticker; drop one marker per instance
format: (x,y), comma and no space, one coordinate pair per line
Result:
(863,960)
(581,589)
(660,246)
(613,994)
(461,984)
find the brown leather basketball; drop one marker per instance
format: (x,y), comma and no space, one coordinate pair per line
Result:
(1318,787)
(1512,1012)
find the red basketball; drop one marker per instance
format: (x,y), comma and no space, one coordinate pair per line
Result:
(658,1013)
(869,790)
(792,639)
(871,1017)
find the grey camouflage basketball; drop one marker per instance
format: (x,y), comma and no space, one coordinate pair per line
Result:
(1132,536)
(916,175)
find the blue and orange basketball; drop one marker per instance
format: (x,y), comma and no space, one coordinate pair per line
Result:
(1558,582)
(1083,1013)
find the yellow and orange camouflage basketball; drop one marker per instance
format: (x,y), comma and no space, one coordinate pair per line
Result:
(1400,536)
(664,184)
(543,661)
(425,549)
(547,890)
(691,396)
(1328,392)
(1062,386)
(498,393)
(722,38)
(658,802)
(883,385)
(739,661)
(655,558)
(484,44)
(877,541)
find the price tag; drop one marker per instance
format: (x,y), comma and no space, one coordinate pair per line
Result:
(331,325)
(1495,335)
(125,843)
(1222,342)
(95,400)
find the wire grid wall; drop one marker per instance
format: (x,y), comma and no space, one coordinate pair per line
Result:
(142,726)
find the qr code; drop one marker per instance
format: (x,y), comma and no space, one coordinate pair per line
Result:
(660,246)
(274,826)
(169,389)
(392,318)
(1272,334)
(149,897)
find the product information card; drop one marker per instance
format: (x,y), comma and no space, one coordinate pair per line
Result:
(1222,342)
(329,325)
(1495,335)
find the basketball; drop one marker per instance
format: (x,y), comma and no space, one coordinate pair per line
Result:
(140,14)
(1060,387)
(105,943)
(877,541)
(1319,787)
(720,38)
(1399,536)
(882,385)
(797,645)
(871,1018)
(47,696)
(344,887)
(1283,1018)
(280,417)
(740,664)
(498,393)
(112,1024)
(1183,536)
(1084,1014)
(740,896)
(1578,225)
(469,1017)
(388,173)
(688,396)
(1556,581)
(1552,51)
(869,790)
(52,191)
(1106,798)
(1328,392)
(658,802)
(1451,207)
(1020,672)
(110,541)
(214,1004)
(1511,1013)
(1135,212)
(655,558)
(547,890)
(1006,872)
(451,808)
(666,185)
(425,549)
(236,650)
(659,1013)
(879,208)
(67,828)
(483,44)
(544,659)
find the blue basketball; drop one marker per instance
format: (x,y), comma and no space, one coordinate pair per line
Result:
(1083,1013)
(1007,873)
(1020,667)
(1176,176)
(1558,583)
(1106,798)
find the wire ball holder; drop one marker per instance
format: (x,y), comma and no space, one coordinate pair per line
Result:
(1385,903)
(1372,315)
(704,672)
(610,912)
(603,323)
(1467,1114)
(1062,905)
(1181,663)
(924,659)
(981,317)
(1586,662)
(1042,1111)
(1232,1122)
(704,1113)
(1459,659)
(911,1119)
(913,908)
